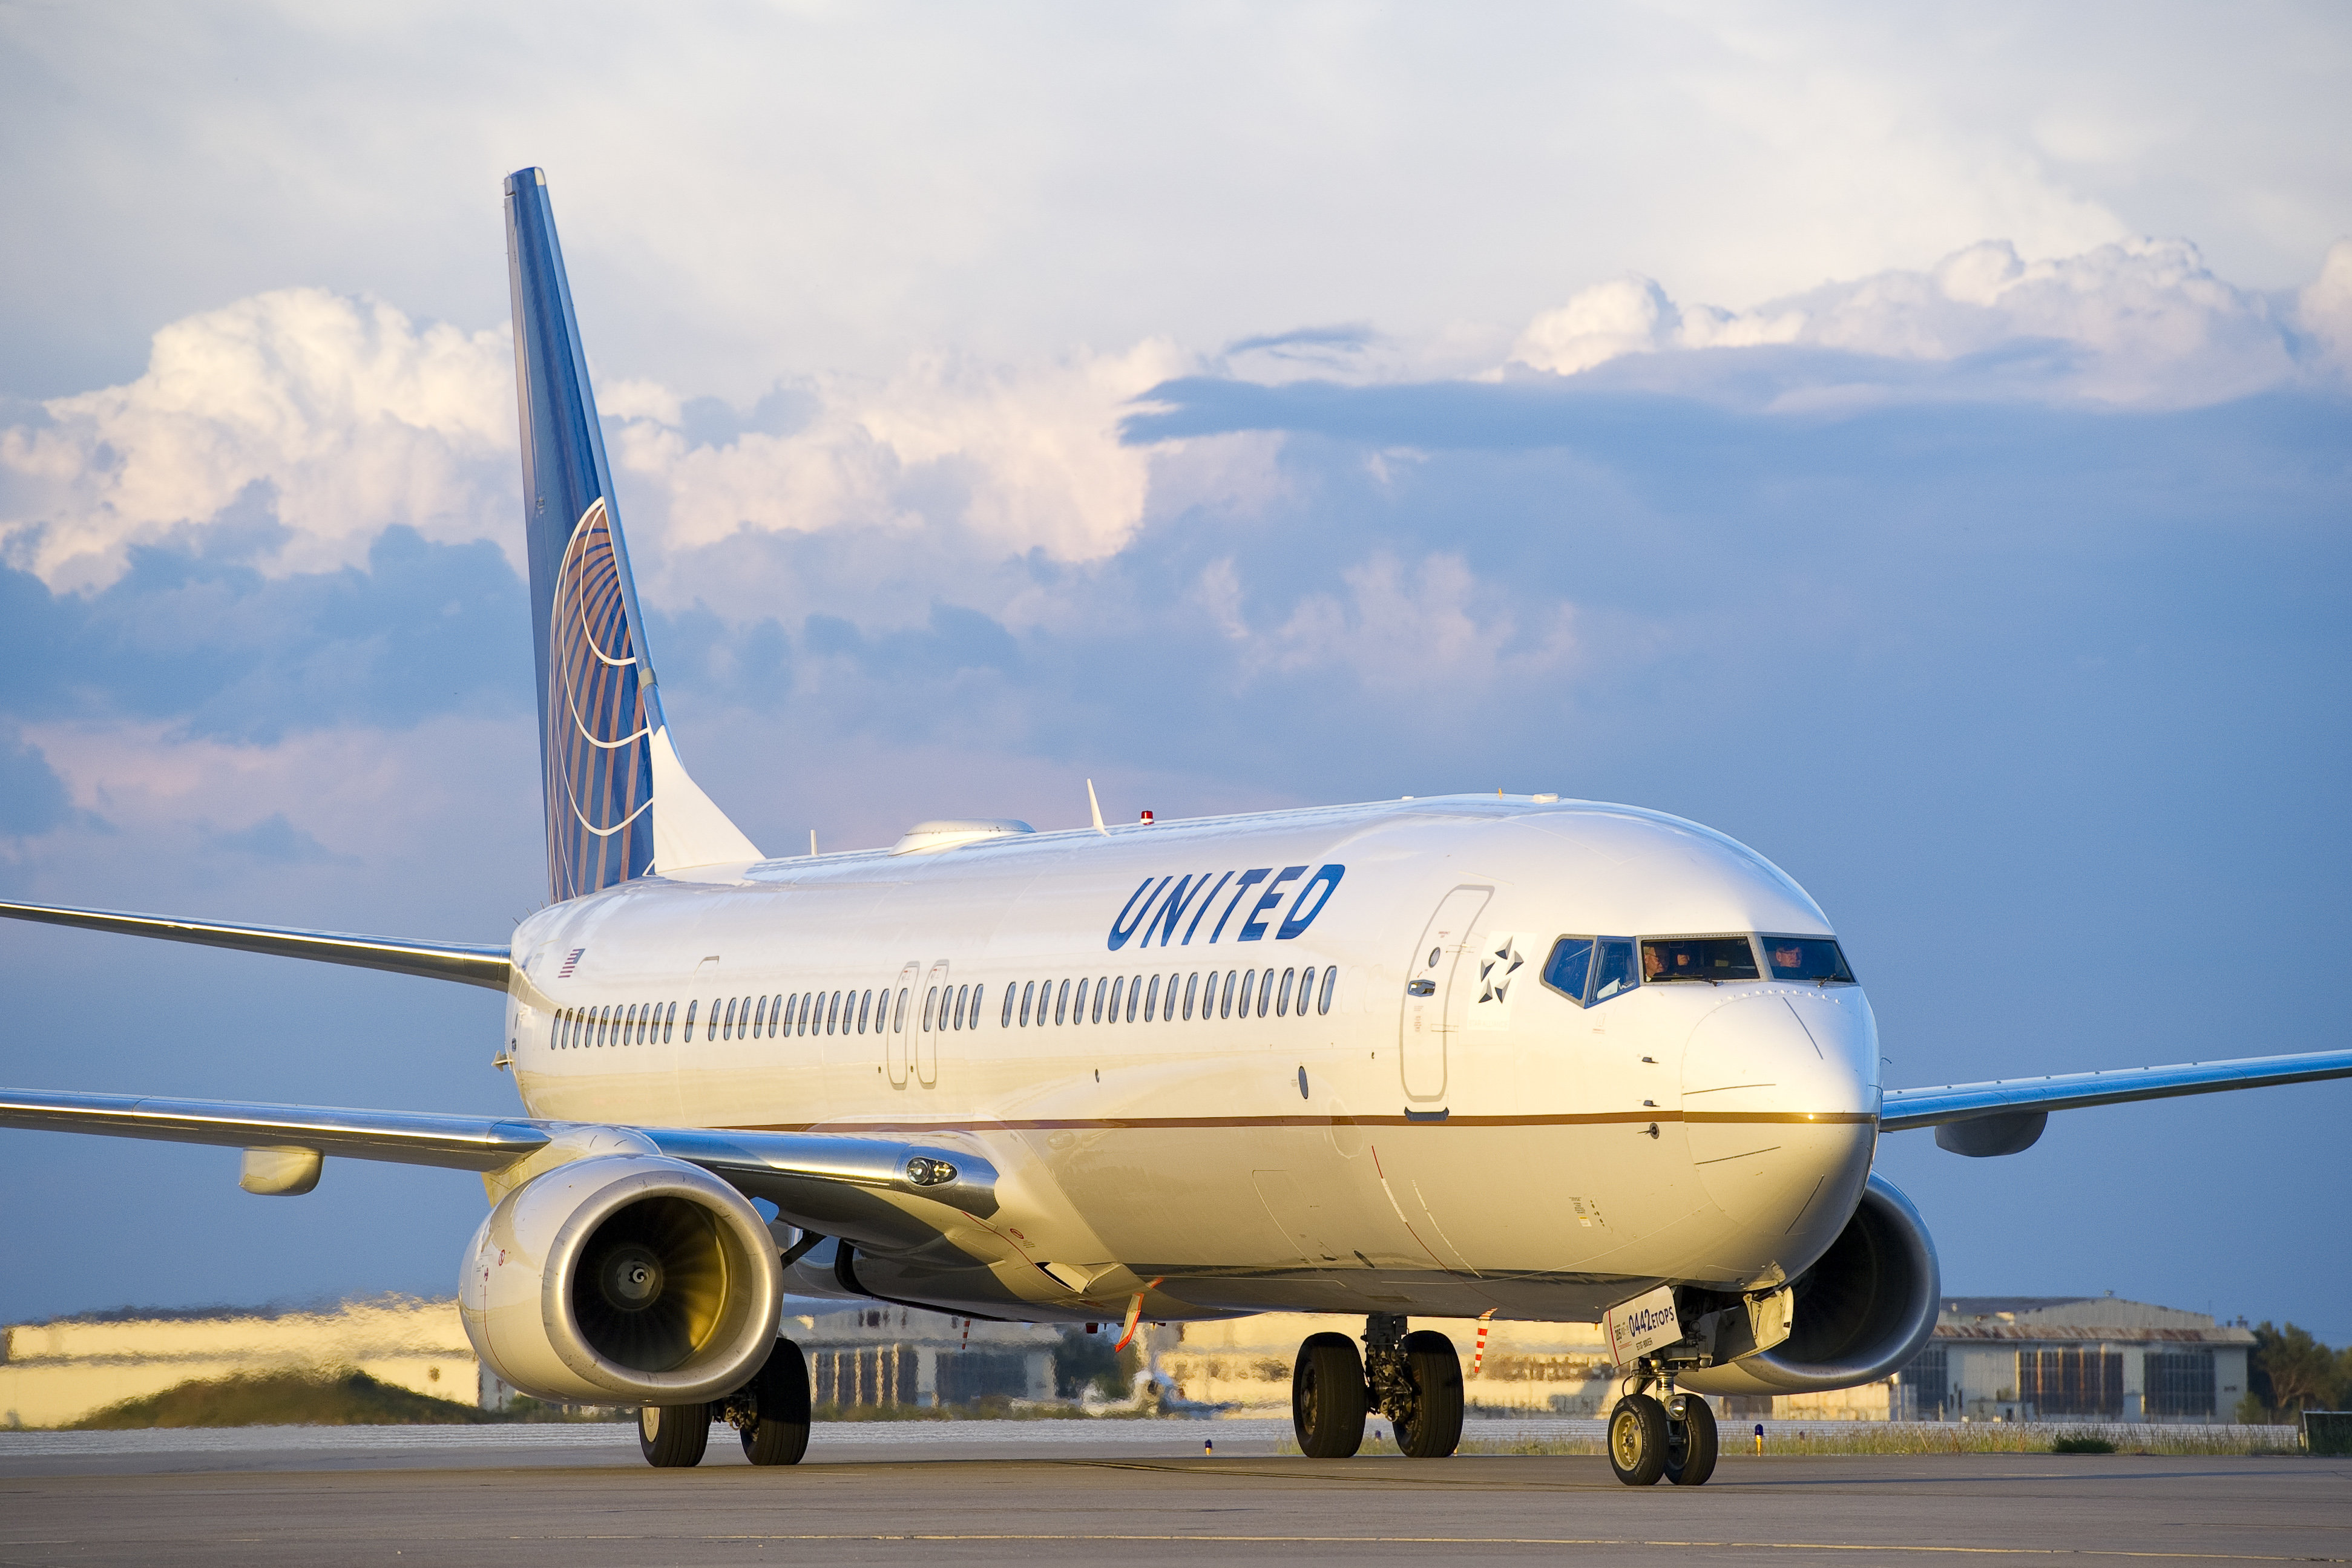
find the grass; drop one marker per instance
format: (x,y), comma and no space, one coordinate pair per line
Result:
(285,1399)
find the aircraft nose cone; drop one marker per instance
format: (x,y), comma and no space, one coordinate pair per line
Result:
(1780,1103)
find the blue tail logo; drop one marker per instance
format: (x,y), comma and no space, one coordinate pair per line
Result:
(618,804)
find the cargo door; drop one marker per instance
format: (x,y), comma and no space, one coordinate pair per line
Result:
(1437,992)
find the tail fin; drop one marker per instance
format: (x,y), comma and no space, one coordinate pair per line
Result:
(619,805)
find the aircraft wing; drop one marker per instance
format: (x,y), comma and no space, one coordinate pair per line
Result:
(1906,1109)
(473,964)
(822,1179)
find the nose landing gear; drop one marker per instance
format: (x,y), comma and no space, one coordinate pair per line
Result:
(1414,1379)
(1652,1438)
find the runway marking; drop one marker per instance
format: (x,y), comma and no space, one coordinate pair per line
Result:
(1129,1539)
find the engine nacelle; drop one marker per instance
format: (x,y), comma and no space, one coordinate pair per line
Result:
(623,1279)
(1861,1313)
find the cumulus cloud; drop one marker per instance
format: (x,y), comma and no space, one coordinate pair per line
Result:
(2142,323)
(340,415)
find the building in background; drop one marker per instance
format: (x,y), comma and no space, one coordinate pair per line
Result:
(2040,1358)
(880,1355)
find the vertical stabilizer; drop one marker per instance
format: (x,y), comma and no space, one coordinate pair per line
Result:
(619,805)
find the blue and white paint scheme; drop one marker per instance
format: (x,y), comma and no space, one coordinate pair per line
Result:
(1463,1056)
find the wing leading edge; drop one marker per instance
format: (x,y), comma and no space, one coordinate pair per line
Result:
(808,1175)
(1906,1109)
(472,964)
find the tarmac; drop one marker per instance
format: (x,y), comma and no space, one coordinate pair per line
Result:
(1106,1491)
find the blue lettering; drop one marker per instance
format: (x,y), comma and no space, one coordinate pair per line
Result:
(1172,910)
(1249,879)
(1204,909)
(1122,928)
(1254,928)
(1301,917)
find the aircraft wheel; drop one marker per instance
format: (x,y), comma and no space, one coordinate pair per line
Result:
(1637,1440)
(1690,1441)
(1327,1398)
(672,1437)
(1435,1367)
(779,1434)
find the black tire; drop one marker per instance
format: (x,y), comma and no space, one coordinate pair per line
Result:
(780,1399)
(1327,1398)
(1435,1368)
(672,1437)
(1637,1440)
(1691,1448)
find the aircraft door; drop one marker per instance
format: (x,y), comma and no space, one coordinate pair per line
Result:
(898,1037)
(1436,1001)
(929,1006)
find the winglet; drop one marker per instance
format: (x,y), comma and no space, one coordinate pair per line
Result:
(1096,807)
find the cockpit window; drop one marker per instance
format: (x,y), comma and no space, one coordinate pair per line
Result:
(1569,970)
(1815,959)
(1612,970)
(1714,959)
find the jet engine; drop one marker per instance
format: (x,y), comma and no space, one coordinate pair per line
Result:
(623,1279)
(1860,1312)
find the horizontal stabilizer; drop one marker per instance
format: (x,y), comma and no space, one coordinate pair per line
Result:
(1906,1109)
(474,963)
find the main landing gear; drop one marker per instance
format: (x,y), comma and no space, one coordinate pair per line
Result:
(771,1414)
(1414,1379)
(1673,1437)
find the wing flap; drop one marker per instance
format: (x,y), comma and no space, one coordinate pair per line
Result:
(1906,1109)
(472,964)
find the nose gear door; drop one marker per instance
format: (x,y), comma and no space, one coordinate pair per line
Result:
(1437,992)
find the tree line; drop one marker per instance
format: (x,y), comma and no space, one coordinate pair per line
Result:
(2290,1372)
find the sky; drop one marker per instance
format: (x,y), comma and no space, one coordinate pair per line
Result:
(1920,446)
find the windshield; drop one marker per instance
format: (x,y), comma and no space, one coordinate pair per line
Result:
(1815,959)
(1667,958)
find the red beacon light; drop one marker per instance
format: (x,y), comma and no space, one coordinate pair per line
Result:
(1145,819)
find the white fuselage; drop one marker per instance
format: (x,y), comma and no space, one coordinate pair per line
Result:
(1489,1144)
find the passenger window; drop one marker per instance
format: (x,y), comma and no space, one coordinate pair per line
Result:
(1247,977)
(1265,992)
(688,1036)
(1012,995)
(727,1030)
(1151,998)
(1134,995)
(760,1018)
(1078,1007)
(669,1019)
(864,1006)
(603,1024)
(1569,970)
(1815,959)
(977,993)
(1282,1000)
(832,1022)
(1062,1004)
(1028,995)
(776,1006)
(1232,978)
(898,1017)
(964,995)
(1330,980)
(1711,958)
(1612,970)
(930,1005)
(1118,989)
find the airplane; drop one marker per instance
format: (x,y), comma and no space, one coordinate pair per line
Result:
(1453,1057)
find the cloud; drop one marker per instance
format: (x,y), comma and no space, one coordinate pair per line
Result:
(2142,323)
(339,416)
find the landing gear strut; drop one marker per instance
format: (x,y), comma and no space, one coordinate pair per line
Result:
(1414,1379)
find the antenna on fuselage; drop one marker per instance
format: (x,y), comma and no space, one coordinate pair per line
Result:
(812,843)
(1096,807)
